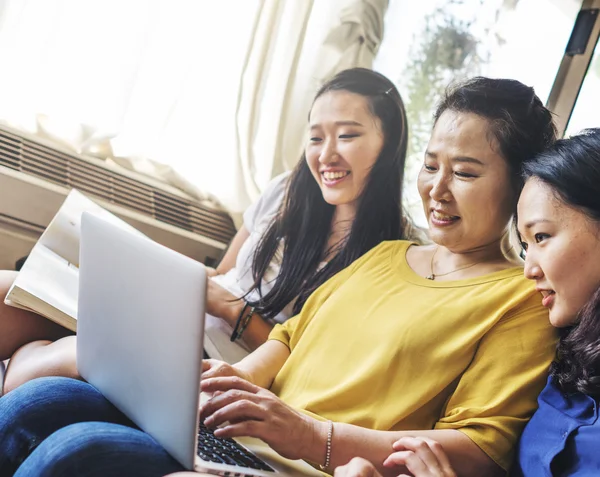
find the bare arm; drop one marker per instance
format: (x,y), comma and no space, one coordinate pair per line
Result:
(258,368)
(257,332)
(265,363)
(228,307)
(239,408)
(421,456)
(350,441)
(223,304)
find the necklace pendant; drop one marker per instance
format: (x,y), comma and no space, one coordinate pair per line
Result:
(430,277)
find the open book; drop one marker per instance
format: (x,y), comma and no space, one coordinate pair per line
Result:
(48,283)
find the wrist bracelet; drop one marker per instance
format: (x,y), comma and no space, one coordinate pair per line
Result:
(234,334)
(245,323)
(325,466)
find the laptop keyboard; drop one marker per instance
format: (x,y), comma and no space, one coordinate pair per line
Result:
(226,451)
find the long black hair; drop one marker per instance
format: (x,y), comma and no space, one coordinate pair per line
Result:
(571,168)
(304,220)
(518,120)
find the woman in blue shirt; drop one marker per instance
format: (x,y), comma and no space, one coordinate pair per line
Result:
(559,222)
(559,226)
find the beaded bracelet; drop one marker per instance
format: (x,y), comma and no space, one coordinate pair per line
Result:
(234,334)
(325,466)
(245,323)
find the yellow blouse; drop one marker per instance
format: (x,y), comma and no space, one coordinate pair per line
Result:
(381,347)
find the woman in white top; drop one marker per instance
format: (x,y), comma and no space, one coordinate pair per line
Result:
(342,199)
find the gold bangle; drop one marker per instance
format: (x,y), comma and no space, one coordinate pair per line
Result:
(325,466)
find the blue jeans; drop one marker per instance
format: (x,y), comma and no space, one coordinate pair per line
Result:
(59,427)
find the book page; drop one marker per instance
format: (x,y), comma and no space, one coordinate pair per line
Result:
(63,233)
(50,278)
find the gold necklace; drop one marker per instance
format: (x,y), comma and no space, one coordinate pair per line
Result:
(433,275)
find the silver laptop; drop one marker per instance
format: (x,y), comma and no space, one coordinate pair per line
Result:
(140,334)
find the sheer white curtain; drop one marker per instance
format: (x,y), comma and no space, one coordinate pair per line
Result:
(134,79)
(216,93)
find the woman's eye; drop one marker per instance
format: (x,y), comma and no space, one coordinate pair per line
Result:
(540,237)
(315,139)
(429,168)
(524,246)
(348,136)
(465,175)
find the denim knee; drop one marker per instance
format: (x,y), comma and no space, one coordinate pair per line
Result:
(35,410)
(54,401)
(95,449)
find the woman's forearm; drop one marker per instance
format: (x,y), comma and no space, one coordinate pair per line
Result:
(241,408)
(350,441)
(257,332)
(263,364)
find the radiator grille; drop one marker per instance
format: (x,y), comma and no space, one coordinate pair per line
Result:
(69,170)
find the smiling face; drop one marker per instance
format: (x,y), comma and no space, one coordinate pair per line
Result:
(464,184)
(344,144)
(562,251)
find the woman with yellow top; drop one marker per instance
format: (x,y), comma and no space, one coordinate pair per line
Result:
(407,341)
(559,228)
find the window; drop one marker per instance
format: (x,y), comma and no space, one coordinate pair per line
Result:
(161,78)
(585,114)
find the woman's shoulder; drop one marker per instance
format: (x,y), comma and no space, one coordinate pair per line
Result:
(384,251)
(275,190)
(578,407)
(395,246)
(267,205)
(278,184)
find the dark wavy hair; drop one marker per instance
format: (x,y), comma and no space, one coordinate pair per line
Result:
(571,168)
(303,222)
(518,120)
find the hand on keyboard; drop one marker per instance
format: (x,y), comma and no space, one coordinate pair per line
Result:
(244,409)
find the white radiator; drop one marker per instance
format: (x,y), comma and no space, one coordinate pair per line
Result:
(36,175)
